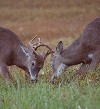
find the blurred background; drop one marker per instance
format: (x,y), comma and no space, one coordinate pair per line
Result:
(51,20)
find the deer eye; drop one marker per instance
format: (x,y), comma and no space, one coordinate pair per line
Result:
(33,64)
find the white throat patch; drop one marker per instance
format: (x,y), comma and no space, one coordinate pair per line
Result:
(61,69)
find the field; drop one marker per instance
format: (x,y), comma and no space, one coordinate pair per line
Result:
(52,21)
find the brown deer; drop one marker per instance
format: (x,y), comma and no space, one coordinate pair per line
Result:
(85,50)
(14,52)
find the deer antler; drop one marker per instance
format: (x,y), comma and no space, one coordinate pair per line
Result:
(30,42)
(38,44)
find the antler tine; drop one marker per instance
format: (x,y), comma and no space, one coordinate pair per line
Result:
(38,44)
(39,40)
(30,42)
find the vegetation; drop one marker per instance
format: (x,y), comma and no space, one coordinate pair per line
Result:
(52,20)
(66,93)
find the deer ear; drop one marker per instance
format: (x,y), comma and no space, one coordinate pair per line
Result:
(25,50)
(59,47)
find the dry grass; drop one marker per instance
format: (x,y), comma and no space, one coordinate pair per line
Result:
(48,18)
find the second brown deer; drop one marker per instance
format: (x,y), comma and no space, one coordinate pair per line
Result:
(85,50)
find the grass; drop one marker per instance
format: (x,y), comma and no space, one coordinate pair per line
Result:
(66,93)
(52,20)
(45,95)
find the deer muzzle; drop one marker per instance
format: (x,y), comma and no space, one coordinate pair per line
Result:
(33,74)
(59,71)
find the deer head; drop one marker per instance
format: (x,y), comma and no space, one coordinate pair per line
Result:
(57,62)
(39,57)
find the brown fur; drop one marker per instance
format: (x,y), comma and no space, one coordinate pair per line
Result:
(78,52)
(12,54)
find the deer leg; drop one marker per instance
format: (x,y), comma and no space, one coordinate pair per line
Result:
(5,73)
(93,65)
(80,73)
(95,61)
(83,69)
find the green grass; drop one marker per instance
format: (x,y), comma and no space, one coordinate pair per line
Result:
(66,93)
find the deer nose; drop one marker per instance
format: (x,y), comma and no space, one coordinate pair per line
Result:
(33,78)
(53,78)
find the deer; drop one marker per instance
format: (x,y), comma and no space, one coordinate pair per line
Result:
(85,50)
(14,52)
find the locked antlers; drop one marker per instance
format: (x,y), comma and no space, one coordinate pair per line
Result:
(38,44)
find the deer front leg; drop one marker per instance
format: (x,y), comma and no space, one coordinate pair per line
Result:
(5,73)
(83,69)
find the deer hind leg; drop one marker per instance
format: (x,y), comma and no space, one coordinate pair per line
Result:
(5,73)
(95,61)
